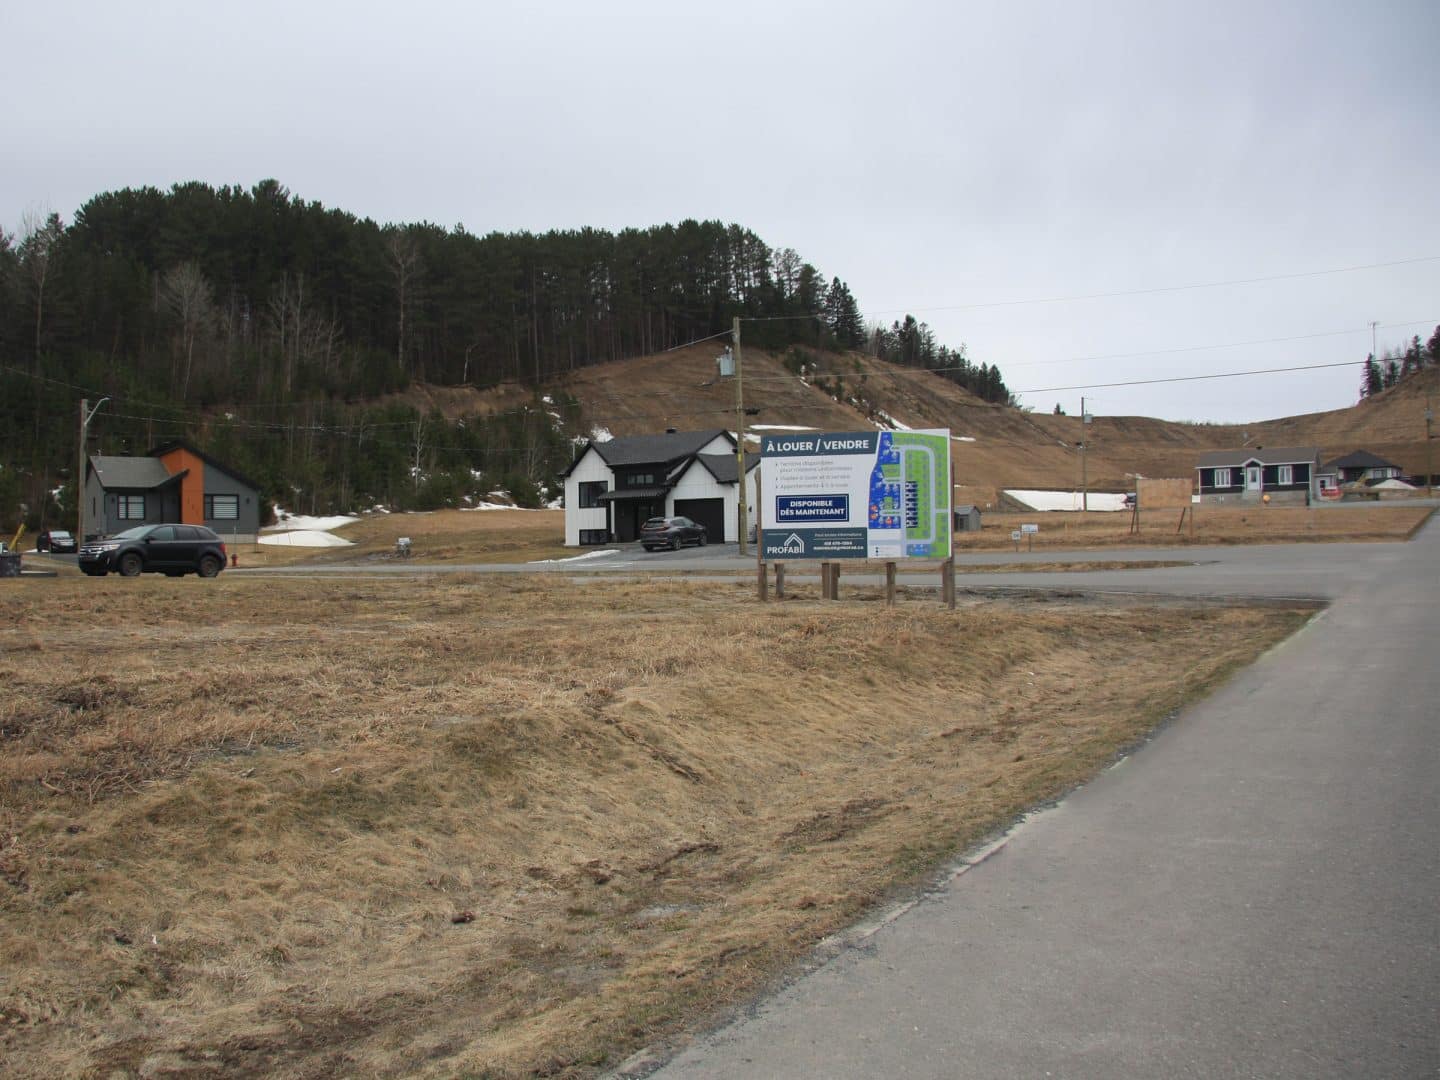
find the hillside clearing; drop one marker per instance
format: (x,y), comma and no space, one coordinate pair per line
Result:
(499,827)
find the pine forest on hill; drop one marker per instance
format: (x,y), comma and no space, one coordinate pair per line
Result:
(289,340)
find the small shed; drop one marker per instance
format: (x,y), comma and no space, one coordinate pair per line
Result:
(967,518)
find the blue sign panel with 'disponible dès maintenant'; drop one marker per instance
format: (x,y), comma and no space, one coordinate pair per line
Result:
(814,508)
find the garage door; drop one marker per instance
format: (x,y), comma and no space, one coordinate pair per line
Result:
(708,512)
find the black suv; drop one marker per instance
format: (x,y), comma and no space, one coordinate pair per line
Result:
(172,550)
(56,540)
(671,532)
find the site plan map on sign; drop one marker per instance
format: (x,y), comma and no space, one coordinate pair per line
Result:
(856,495)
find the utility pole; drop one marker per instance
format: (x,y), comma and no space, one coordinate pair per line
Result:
(1429,474)
(1373,354)
(86,415)
(740,442)
(1084,445)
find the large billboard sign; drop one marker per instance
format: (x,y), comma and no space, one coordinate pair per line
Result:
(855,495)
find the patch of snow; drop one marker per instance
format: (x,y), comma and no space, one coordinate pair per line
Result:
(891,422)
(600,434)
(492,506)
(963,438)
(779,427)
(1067,500)
(306,538)
(579,558)
(548,400)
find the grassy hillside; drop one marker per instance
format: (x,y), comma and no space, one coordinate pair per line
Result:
(997,446)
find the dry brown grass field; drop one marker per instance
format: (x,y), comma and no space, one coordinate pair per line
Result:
(1213,525)
(504,828)
(478,536)
(512,536)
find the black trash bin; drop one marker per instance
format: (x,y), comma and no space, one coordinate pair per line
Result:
(10,564)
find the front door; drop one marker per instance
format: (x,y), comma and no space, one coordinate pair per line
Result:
(1252,477)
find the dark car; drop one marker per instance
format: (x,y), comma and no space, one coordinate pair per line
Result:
(671,532)
(159,549)
(55,540)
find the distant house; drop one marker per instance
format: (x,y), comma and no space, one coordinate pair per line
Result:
(612,487)
(1361,465)
(967,518)
(1286,474)
(176,483)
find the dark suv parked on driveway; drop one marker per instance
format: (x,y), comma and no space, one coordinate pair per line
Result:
(57,540)
(671,532)
(172,550)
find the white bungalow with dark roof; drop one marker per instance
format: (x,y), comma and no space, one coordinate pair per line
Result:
(1285,473)
(612,487)
(1359,466)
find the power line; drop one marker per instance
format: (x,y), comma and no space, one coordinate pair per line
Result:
(1225,345)
(1186,378)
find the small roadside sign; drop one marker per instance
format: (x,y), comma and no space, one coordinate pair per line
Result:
(1029,528)
(1015,535)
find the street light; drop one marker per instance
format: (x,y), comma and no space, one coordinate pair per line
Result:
(1429,474)
(86,415)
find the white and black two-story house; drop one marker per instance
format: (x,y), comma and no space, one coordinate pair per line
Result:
(612,487)
(1288,474)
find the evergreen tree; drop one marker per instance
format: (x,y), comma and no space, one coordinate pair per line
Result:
(1371,382)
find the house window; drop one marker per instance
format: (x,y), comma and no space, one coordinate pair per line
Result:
(130,507)
(640,479)
(590,493)
(594,536)
(222,507)
(1287,475)
(1222,478)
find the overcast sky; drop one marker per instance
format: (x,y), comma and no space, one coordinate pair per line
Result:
(946,159)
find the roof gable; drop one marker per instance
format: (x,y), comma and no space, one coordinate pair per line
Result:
(1260,455)
(657,449)
(1361,459)
(137,473)
(722,466)
(668,450)
(181,444)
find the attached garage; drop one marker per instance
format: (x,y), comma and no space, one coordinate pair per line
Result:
(708,512)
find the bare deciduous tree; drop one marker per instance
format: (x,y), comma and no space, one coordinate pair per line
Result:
(39,239)
(302,335)
(404,257)
(188,297)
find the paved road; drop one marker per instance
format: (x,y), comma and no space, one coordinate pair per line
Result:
(1254,893)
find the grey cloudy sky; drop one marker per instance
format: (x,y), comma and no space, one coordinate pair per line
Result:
(945,159)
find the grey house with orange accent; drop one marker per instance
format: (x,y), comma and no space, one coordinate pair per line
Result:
(175,484)
(1287,474)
